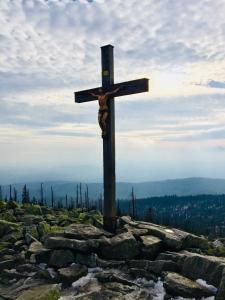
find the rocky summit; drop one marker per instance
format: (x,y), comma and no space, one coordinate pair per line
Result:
(50,254)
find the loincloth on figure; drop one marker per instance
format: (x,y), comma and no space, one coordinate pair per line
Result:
(100,111)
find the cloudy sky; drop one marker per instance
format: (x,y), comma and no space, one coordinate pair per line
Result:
(49,49)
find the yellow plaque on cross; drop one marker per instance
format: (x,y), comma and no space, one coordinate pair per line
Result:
(105,73)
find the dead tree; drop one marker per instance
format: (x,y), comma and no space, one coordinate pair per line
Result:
(52,197)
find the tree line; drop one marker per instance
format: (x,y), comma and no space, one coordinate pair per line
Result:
(81,198)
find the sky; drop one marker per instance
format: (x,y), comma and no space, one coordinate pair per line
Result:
(50,49)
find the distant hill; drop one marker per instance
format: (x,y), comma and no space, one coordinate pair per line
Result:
(180,187)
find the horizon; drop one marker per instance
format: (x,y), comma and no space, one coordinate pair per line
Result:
(47,181)
(50,49)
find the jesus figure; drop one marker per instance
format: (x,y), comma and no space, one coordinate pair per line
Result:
(103,109)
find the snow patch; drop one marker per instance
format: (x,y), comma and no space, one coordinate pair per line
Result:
(42,266)
(203,283)
(83,280)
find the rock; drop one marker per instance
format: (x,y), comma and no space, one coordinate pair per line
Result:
(61,258)
(141,273)
(65,243)
(7,264)
(177,285)
(35,247)
(72,273)
(32,230)
(43,292)
(119,287)
(174,238)
(7,227)
(103,294)
(156,267)
(12,273)
(18,245)
(138,263)
(32,209)
(151,246)
(85,232)
(39,254)
(7,251)
(31,219)
(42,256)
(122,246)
(29,239)
(16,288)
(110,263)
(89,260)
(127,220)
(136,231)
(159,266)
(109,276)
(26,268)
(221,291)
(11,263)
(195,266)
(11,204)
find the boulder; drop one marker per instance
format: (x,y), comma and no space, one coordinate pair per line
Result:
(122,246)
(11,204)
(35,247)
(173,238)
(85,232)
(17,287)
(195,266)
(103,294)
(31,219)
(89,260)
(66,243)
(7,227)
(151,246)
(109,263)
(156,267)
(221,291)
(7,264)
(61,258)
(136,231)
(109,276)
(141,273)
(43,292)
(178,285)
(29,238)
(159,266)
(72,273)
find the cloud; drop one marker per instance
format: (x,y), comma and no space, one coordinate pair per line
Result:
(49,49)
(216,84)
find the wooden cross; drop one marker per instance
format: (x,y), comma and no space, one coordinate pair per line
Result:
(126,88)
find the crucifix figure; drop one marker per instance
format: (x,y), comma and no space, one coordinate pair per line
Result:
(103,111)
(105,96)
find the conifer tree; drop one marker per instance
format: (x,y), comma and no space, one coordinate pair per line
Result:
(42,196)
(77,197)
(15,194)
(10,192)
(1,198)
(25,195)
(52,197)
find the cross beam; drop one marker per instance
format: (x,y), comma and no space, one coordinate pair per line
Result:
(126,88)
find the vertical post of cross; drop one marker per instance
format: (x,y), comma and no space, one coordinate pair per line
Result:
(109,216)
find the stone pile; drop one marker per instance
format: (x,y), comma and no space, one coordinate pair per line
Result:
(82,261)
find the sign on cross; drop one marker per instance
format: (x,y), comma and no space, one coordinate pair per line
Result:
(106,116)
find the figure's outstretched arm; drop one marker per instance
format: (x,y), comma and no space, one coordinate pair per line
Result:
(112,92)
(94,95)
